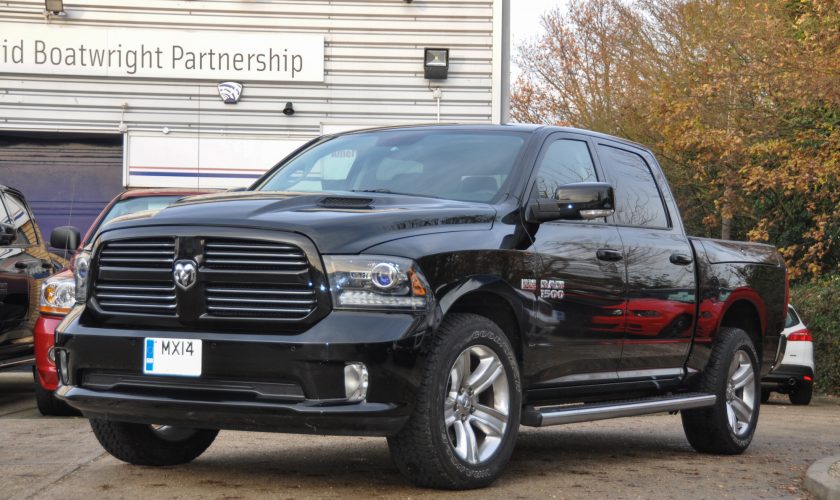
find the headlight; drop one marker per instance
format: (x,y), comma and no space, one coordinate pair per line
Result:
(58,295)
(81,266)
(376,282)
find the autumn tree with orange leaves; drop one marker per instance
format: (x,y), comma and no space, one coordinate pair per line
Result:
(740,101)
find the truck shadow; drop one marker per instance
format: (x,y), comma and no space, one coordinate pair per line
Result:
(260,464)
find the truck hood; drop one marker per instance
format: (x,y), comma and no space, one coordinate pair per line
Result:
(335,222)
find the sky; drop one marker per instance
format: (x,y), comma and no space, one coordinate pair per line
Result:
(525,23)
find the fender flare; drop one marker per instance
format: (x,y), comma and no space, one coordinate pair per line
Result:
(520,302)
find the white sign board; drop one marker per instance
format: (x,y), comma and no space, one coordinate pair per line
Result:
(206,162)
(55,49)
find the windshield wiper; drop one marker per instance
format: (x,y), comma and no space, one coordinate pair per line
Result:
(378,190)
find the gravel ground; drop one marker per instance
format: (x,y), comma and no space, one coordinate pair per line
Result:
(642,457)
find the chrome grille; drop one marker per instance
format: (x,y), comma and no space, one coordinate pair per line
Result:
(135,277)
(253,255)
(150,298)
(267,301)
(254,284)
(156,253)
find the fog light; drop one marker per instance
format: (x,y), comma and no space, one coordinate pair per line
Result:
(355,382)
(63,372)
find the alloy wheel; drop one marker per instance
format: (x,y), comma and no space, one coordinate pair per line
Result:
(740,393)
(477,404)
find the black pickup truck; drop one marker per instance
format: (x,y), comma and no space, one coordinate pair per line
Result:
(436,285)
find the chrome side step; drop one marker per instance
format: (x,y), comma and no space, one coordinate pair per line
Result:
(584,412)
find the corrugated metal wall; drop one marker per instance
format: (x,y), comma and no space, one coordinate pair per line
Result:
(373,68)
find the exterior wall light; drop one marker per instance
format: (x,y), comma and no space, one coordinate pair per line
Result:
(289,110)
(54,7)
(436,64)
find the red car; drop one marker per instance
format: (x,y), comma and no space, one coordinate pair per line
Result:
(58,292)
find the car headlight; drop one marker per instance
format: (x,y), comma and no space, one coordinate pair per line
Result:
(58,295)
(376,282)
(81,266)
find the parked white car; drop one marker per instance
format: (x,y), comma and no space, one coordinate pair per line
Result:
(795,375)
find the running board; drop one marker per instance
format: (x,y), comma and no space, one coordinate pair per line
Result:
(585,412)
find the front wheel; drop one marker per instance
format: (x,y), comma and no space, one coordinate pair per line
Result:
(466,417)
(157,445)
(731,375)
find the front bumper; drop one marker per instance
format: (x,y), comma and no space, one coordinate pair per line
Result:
(44,338)
(266,382)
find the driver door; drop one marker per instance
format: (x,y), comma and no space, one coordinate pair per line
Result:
(581,282)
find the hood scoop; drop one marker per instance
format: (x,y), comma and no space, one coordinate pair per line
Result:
(346,202)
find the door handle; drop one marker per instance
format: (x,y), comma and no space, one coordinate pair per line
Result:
(680,259)
(609,255)
(21,265)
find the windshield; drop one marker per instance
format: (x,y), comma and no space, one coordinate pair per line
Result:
(440,163)
(133,205)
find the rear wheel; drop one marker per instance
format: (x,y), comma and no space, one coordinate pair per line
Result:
(731,375)
(801,394)
(466,417)
(142,444)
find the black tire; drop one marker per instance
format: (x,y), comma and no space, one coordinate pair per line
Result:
(49,405)
(141,444)
(801,394)
(765,395)
(709,429)
(422,450)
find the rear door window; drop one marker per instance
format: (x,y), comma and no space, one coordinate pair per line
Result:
(638,200)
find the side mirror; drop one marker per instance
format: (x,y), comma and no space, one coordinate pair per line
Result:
(577,201)
(7,234)
(65,238)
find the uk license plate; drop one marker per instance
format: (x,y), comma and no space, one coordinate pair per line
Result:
(172,357)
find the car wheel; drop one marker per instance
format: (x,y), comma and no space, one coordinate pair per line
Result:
(765,395)
(728,426)
(142,444)
(466,418)
(49,405)
(801,394)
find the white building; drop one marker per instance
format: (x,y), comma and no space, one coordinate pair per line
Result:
(125,93)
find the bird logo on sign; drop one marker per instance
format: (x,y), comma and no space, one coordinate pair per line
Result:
(230,92)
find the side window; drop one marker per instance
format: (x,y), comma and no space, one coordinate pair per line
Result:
(20,217)
(791,319)
(638,201)
(4,215)
(564,161)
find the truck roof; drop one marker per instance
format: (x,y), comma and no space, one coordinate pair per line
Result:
(522,127)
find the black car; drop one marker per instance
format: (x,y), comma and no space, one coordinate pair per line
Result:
(437,285)
(24,264)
